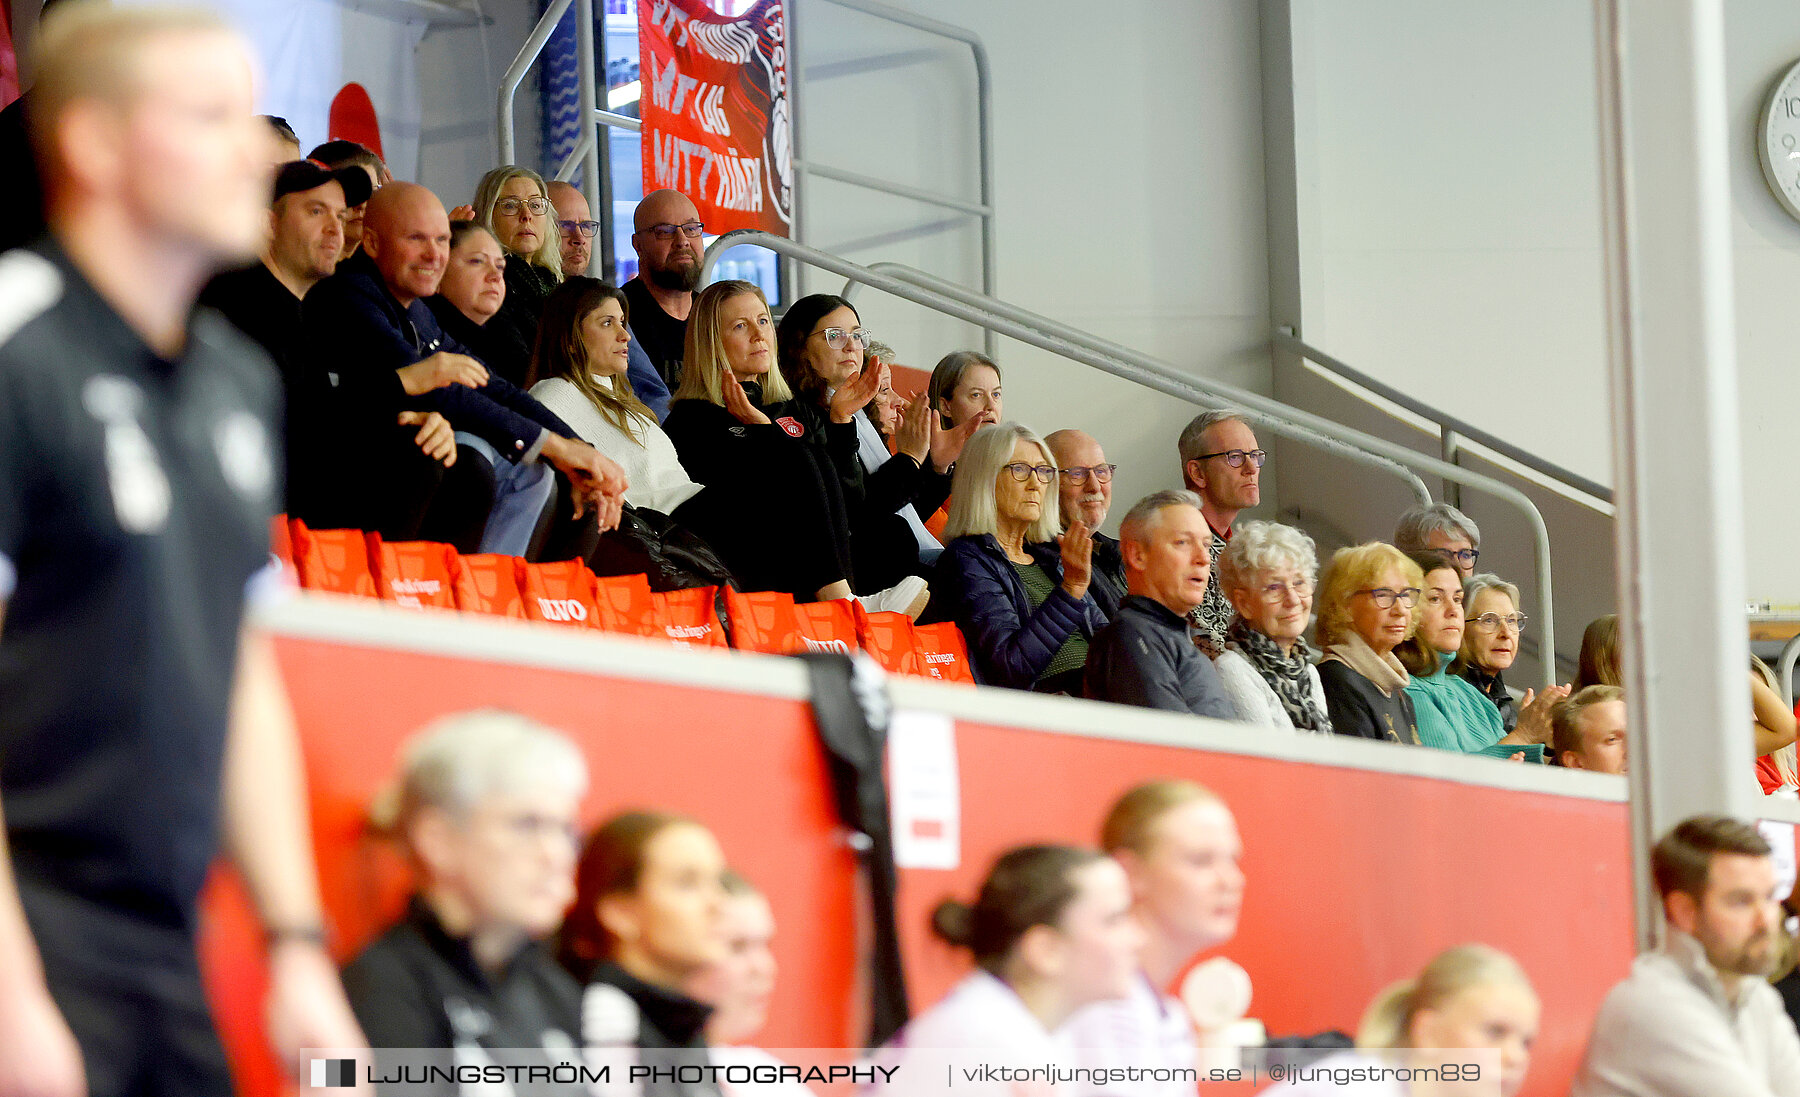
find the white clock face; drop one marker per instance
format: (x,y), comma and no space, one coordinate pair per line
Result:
(1780,141)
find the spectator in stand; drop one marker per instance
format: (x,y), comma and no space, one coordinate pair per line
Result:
(575,225)
(512,203)
(1221,463)
(1470,996)
(1052,931)
(306,236)
(964,388)
(1589,730)
(1365,601)
(1179,846)
(669,240)
(1267,573)
(387,353)
(1451,713)
(1084,483)
(738,989)
(1490,644)
(472,291)
(486,810)
(1144,657)
(1019,594)
(877,440)
(1773,723)
(1442,527)
(285,144)
(344,154)
(822,348)
(581,353)
(649,894)
(723,425)
(1695,1017)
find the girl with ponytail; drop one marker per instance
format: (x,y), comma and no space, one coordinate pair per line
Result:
(1050,931)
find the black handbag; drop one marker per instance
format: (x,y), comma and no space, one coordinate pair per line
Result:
(669,554)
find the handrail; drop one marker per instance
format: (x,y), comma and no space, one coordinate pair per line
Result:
(594,187)
(1541,546)
(515,74)
(983,209)
(1444,421)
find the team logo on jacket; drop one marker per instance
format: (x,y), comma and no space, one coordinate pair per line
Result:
(791,425)
(140,491)
(243,449)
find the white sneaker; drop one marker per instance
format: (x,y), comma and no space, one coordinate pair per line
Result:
(908,596)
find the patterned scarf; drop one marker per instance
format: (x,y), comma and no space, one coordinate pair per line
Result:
(1285,673)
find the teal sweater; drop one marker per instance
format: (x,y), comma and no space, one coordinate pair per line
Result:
(1453,715)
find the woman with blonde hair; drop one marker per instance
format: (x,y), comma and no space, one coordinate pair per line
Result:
(513,203)
(1470,996)
(1014,583)
(734,429)
(1366,603)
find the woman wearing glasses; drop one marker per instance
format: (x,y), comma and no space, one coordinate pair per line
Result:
(1267,573)
(511,203)
(1489,646)
(1452,714)
(822,346)
(1018,592)
(1366,600)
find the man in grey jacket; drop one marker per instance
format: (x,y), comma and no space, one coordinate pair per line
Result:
(1145,656)
(1697,1017)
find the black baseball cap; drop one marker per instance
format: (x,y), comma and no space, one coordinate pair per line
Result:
(298,175)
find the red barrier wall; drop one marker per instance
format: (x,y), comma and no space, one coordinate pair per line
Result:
(1354,877)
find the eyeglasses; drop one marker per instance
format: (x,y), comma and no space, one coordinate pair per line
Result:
(691,230)
(1278,592)
(1102,474)
(1385,597)
(1022,472)
(585,228)
(1491,622)
(1466,556)
(835,338)
(1236,457)
(510,207)
(530,826)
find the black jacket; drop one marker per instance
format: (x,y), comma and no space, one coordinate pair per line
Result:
(418,987)
(1144,657)
(1107,587)
(360,335)
(669,1029)
(1358,707)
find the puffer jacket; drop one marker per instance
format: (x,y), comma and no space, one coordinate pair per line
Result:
(1011,643)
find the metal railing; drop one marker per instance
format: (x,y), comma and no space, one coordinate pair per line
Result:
(983,209)
(595,186)
(1790,653)
(1123,362)
(1452,432)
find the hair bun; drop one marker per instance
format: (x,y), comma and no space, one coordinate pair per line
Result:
(954,921)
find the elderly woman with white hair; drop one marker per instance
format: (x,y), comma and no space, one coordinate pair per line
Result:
(1267,572)
(1018,591)
(486,809)
(1442,527)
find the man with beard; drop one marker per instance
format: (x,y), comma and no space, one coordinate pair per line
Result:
(668,239)
(1696,1017)
(1084,480)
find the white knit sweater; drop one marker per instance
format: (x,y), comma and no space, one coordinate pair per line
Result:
(657,479)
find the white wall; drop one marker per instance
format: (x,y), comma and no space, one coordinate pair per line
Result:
(1450,156)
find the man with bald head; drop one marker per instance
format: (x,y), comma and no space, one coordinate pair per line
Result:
(1085,481)
(384,352)
(576,223)
(669,240)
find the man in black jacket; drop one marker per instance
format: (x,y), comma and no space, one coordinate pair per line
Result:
(1084,480)
(384,352)
(1145,657)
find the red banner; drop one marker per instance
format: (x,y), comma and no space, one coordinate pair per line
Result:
(717,125)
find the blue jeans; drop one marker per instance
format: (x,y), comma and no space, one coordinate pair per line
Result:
(521,493)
